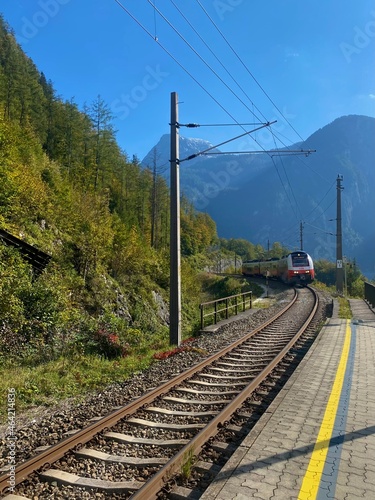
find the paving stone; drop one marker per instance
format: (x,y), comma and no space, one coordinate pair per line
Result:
(279,451)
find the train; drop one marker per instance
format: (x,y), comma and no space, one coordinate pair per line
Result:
(296,268)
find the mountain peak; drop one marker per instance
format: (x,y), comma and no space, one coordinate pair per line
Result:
(247,198)
(160,154)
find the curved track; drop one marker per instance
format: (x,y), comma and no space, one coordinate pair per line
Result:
(157,435)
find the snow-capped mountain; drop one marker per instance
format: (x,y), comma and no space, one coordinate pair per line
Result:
(204,177)
(257,197)
(159,155)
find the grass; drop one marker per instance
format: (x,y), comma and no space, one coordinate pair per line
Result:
(344,308)
(263,303)
(188,463)
(48,383)
(75,375)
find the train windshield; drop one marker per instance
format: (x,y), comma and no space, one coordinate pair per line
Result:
(299,260)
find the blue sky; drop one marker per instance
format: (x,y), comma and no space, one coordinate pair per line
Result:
(311,60)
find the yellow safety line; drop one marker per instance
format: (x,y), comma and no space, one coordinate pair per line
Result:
(311,480)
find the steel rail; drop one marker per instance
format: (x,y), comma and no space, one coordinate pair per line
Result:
(155,484)
(58,450)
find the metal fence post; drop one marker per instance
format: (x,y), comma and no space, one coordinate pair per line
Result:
(227,305)
(370,293)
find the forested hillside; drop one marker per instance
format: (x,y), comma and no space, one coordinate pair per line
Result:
(68,188)
(99,310)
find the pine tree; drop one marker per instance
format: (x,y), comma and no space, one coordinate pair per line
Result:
(103,137)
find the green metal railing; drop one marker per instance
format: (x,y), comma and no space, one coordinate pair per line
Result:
(223,308)
(34,256)
(370,293)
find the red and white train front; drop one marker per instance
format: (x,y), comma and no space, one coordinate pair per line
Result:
(299,269)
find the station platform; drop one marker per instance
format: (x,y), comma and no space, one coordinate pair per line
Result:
(317,439)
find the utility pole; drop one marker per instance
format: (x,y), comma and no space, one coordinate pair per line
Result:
(175,252)
(339,263)
(301,234)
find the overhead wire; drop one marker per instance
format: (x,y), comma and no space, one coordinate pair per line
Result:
(199,56)
(196,125)
(301,159)
(189,73)
(221,144)
(274,134)
(285,190)
(176,60)
(246,68)
(259,85)
(305,219)
(271,152)
(293,228)
(236,82)
(185,69)
(290,234)
(290,230)
(155,32)
(320,229)
(211,69)
(321,201)
(288,181)
(218,60)
(227,71)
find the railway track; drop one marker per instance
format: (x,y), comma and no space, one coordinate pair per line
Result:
(141,449)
